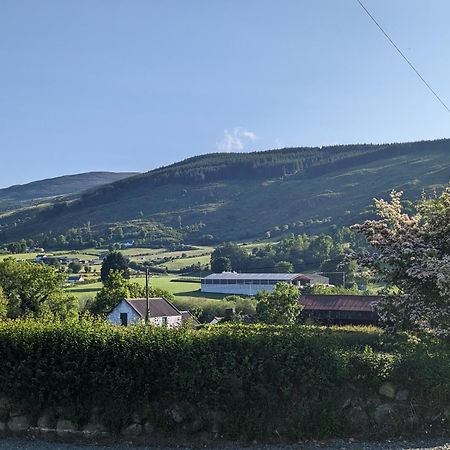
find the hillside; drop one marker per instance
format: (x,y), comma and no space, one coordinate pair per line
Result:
(21,195)
(233,196)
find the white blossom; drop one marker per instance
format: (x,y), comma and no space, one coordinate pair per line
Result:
(411,254)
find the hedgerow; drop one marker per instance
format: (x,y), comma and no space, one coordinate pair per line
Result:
(257,378)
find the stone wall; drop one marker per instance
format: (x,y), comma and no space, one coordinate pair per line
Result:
(392,411)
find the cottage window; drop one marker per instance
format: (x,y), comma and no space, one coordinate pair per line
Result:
(124,319)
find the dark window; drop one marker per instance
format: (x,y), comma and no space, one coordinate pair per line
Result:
(124,319)
(164,321)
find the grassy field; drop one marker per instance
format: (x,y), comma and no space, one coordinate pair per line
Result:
(181,263)
(180,259)
(182,290)
(20,256)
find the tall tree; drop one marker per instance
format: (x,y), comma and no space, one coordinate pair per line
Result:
(34,288)
(235,254)
(75,267)
(221,264)
(114,290)
(279,307)
(284,267)
(114,261)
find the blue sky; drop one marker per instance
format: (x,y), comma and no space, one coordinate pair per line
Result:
(133,85)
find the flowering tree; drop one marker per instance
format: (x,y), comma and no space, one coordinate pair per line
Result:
(412,255)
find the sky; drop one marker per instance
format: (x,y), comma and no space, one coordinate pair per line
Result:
(133,85)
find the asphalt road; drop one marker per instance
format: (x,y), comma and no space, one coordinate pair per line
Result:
(436,444)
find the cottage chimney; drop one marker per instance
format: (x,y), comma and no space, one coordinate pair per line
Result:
(229,313)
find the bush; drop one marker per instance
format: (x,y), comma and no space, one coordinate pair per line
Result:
(258,379)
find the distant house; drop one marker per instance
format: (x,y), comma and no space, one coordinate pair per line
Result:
(72,279)
(133,311)
(35,250)
(340,309)
(252,283)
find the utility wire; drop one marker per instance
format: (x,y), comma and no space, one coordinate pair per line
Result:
(403,56)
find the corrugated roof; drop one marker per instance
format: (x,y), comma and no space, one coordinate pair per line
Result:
(253,276)
(339,302)
(159,307)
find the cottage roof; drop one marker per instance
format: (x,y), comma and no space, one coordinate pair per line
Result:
(159,307)
(363,303)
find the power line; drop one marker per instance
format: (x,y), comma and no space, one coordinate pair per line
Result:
(403,56)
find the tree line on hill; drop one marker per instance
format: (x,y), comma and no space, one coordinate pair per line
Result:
(142,233)
(275,164)
(264,164)
(295,253)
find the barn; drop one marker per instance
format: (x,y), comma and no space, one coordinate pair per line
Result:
(339,309)
(251,283)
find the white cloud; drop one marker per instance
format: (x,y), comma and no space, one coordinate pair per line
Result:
(235,139)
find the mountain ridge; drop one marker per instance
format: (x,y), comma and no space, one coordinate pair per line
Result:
(19,195)
(227,196)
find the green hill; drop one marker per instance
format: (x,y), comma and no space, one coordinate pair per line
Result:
(235,196)
(38,191)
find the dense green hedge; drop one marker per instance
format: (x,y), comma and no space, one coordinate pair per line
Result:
(258,378)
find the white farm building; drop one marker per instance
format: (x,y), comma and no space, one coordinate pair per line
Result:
(251,283)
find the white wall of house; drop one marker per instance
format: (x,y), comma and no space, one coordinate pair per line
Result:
(172,321)
(123,308)
(133,318)
(237,289)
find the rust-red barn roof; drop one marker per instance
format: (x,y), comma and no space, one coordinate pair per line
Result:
(363,303)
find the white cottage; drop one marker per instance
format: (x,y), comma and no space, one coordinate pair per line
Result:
(131,311)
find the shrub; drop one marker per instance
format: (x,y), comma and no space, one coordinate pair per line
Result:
(256,378)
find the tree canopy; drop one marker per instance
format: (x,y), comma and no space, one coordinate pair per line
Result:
(33,289)
(280,307)
(114,290)
(295,253)
(412,255)
(114,261)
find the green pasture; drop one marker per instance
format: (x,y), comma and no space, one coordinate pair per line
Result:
(182,290)
(181,263)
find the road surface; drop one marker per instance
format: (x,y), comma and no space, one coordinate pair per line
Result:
(435,444)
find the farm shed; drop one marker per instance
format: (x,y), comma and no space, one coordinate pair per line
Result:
(340,309)
(252,283)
